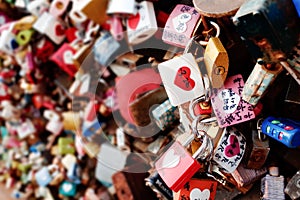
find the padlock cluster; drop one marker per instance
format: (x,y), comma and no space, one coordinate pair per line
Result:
(175,100)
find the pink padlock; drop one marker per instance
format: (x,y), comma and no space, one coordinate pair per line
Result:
(181,25)
(58,7)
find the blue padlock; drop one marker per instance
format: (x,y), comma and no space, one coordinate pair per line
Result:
(284,130)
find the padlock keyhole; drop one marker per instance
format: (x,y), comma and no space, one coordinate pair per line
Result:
(59,5)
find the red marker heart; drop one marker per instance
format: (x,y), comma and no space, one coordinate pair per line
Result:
(59,30)
(183,79)
(233,148)
(134,21)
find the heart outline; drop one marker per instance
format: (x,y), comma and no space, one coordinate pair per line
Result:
(171,159)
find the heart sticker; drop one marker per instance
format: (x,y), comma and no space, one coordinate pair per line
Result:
(59,30)
(68,57)
(233,148)
(171,160)
(230,100)
(197,194)
(183,79)
(134,21)
(67,187)
(180,21)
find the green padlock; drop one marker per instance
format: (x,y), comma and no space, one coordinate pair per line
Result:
(24,37)
(66,145)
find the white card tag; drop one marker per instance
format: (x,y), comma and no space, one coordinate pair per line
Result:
(182,79)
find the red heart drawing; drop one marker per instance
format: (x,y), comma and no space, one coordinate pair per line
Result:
(59,30)
(134,21)
(183,79)
(233,148)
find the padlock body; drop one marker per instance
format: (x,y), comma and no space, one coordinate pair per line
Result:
(176,167)
(293,186)
(284,130)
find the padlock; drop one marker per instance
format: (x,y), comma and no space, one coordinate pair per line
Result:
(127,7)
(228,105)
(66,145)
(260,23)
(230,149)
(155,182)
(260,149)
(26,129)
(91,9)
(8,43)
(297,6)
(176,166)
(54,126)
(283,130)
(293,187)
(38,7)
(58,7)
(221,178)
(43,177)
(197,189)
(24,23)
(182,79)
(216,62)
(181,25)
(245,177)
(24,37)
(51,115)
(143,24)
(105,49)
(164,115)
(56,30)
(63,57)
(272,185)
(91,128)
(44,49)
(200,106)
(259,80)
(68,189)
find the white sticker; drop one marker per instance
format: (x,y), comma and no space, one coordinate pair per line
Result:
(180,22)
(197,194)
(230,100)
(171,159)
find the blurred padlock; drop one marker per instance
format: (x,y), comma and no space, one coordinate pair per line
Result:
(105,48)
(26,129)
(245,177)
(91,9)
(63,57)
(127,7)
(37,7)
(270,25)
(260,149)
(143,24)
(216,62)
(197,189)
(66,145)
(52,27)
(68,189)
(24,37)
(155,182)
(58,7)
(293,187)
(272,185)
(181,25)
(259,80)
(283,130)
(200,106)
(54,126)
(8,42)
(176,166)
(164,115)
(230,149)
(44,49)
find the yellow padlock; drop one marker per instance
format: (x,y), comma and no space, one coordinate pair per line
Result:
(25,23)
(24,37)
(216,61)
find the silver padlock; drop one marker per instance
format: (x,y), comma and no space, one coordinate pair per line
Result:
(293,187)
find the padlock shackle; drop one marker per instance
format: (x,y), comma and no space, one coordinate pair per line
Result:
(260,135)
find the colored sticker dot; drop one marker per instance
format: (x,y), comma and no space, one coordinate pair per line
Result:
(288,128)
(275,122)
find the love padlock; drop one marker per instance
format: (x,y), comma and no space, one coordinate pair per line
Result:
(64,59)
(8,42)
(293,186)
(182,79)
(24,37)
(176,166)
(51,26)
(198,189)
(127,7)
(230,149)
(143,24)
(181,25)
(58,7)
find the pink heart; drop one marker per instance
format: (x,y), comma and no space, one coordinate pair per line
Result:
(233,148)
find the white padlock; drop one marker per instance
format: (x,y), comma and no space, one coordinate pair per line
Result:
(8,42)
(52,27)
(51,115)
(121,7)
(143,25)
(37,7)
